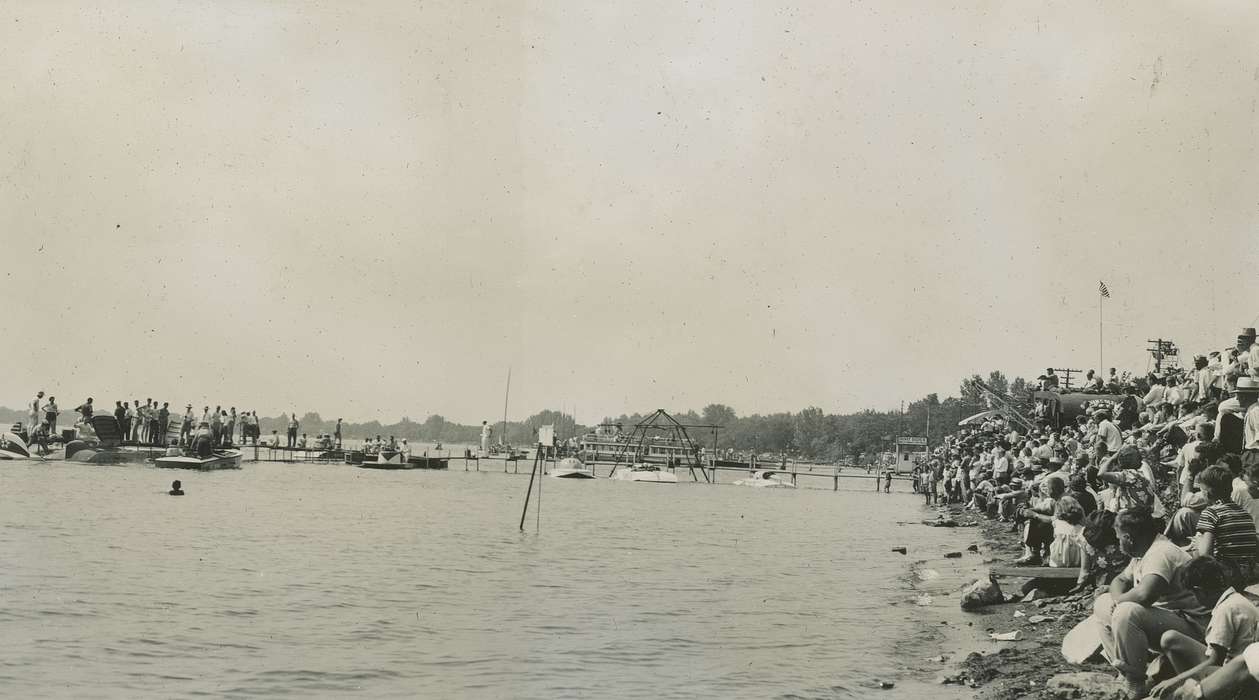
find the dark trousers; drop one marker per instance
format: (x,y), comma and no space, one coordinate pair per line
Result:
(125,424)
(292,437)
(185,433)
(216,433)
(1039,535)
(163,428)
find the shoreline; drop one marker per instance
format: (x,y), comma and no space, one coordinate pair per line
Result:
(1032,667)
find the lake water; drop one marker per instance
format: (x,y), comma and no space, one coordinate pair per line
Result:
(327,580)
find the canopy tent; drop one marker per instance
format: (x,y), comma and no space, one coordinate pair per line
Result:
(981,416)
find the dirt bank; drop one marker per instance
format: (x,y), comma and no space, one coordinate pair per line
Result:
(1033,666)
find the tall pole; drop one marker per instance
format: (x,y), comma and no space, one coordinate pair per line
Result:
(506,394)
(1101,366)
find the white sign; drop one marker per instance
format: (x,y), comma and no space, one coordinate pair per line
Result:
(546,436)
(911,441)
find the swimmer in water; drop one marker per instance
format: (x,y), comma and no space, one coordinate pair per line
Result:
(175,489)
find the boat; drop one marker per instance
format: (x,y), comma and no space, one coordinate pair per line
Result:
(219,459)
(426,462)
(648,473)
(102,443)
(767,479)
(13,447)
(385,459)
(571,468)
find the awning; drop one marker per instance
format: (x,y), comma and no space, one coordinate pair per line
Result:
(985,415)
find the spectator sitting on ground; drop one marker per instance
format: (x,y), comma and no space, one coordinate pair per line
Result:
(1147,600)
(1234,625)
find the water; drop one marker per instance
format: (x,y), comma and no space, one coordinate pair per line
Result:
(327,580)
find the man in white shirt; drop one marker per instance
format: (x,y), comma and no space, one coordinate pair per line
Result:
(1107,431)
(1147,599)
(1248,399)
(1157,393)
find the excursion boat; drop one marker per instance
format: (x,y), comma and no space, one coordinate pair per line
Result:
(570,468)
(13,447)
(219,459)
(648,473)
(767,480)
(609,444)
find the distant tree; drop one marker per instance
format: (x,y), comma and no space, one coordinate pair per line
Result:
(809,431)
(998,383)
(718,414)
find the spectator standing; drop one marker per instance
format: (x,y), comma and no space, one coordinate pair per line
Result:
(37,413)
(293,425)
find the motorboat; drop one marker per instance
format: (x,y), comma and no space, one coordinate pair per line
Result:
(218,459)
(648,473)
(767,479)
(101,442)
(13,447)
(572,468)
(385,459)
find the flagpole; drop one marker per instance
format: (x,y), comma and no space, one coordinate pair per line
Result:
(1101,369)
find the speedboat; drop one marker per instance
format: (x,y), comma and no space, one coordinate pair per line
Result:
(219,459)
(101,443)
(571,468)
(13,447)
(385,459)
(767,480)
(649,473)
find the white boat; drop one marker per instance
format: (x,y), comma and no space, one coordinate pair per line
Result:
(386,459)
(767,480)
(12,447)
(219,459)
(570,468)
(649,473)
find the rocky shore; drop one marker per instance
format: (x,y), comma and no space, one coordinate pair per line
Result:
(1032,667)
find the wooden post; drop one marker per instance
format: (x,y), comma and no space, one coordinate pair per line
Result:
(836,475)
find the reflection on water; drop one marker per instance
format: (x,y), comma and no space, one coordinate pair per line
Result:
(326,580)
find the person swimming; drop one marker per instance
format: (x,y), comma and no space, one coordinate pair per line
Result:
(175,489)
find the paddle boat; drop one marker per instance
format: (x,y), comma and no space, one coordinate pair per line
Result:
(218,459)
(648,473)
(767,479)
(571,468)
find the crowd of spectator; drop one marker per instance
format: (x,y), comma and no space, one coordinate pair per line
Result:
(1152,494)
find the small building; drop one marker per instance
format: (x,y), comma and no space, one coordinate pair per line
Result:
(910,451)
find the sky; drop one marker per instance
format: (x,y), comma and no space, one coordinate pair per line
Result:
(374,211)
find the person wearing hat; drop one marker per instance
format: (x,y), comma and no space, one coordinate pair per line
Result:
(1235,415)
(185,426)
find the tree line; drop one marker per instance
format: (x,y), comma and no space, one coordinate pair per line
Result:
(810,433)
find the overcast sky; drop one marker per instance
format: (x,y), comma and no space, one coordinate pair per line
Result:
(374,210)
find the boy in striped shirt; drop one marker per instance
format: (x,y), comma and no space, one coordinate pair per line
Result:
(1225,530)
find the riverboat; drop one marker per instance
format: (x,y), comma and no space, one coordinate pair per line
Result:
(219,459)
(597,447)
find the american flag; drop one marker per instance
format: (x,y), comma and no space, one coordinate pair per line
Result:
(1101,287)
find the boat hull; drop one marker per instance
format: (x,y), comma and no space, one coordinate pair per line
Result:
(647,476)
(225,459)
(571,474)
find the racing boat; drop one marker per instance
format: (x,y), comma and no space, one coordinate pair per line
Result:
(13,447)
(219,459)
(649,473)
(767,480)
(385,459)
(571,468)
